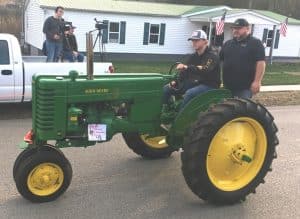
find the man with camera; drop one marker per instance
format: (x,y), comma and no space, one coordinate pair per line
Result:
(70,48)
(53,28)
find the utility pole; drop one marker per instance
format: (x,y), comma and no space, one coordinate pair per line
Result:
(250,6)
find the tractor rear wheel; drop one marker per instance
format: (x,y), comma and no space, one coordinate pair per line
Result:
(229,150)
(43,175)
(148,147)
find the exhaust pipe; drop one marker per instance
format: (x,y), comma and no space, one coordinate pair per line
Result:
(89,56)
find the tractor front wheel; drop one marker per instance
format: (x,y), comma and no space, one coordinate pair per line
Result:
(229,150)
(29,151)
(43,175)
(148,146)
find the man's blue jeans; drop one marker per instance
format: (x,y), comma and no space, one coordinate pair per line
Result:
(189,90)
(54,50)
(71,58)
(244,93)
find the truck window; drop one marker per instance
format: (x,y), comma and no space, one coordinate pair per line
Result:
(4,54)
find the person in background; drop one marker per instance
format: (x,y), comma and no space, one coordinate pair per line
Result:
(70,47)
(53,28)
(243,60)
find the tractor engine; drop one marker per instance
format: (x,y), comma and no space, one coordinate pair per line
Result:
(69,109)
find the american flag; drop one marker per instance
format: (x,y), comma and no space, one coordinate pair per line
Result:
(220,25)
(283,28)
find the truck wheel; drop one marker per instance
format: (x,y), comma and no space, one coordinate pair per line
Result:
(43,176)
(27,152)
(229,150)
(148,147)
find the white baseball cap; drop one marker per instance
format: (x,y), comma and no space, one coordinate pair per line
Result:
(198,35)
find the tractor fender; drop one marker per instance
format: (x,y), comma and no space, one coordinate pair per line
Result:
(190,113)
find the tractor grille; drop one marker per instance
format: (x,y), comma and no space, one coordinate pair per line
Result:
(44,116)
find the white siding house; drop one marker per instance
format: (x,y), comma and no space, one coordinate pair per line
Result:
(175,40)
(263,23)
(33,22)
(139,28)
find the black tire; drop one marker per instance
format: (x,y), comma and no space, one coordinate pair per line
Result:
(140,147)
(195,155)
(29,151)
(22,156)
(44,156)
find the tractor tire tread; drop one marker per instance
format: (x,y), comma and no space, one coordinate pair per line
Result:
(197,142)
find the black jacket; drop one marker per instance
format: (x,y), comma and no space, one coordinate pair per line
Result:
(70,43)
(210,72)
(239,62)
(53,26)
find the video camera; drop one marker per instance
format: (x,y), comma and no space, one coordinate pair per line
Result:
(67,25)
(101,25)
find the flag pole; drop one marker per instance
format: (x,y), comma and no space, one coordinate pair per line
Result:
(210,32)
(272,45)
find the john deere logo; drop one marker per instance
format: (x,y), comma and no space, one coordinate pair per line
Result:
(96,90)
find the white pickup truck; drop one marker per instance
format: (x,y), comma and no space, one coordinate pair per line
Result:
(16,75)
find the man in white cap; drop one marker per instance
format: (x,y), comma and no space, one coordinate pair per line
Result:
(201,72)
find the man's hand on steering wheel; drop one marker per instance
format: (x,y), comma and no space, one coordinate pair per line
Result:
(173,84)
(176,83)
(181,67)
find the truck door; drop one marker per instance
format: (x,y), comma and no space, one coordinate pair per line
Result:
(7,93)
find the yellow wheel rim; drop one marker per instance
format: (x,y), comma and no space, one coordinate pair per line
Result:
(158,142)
(45,179)
(236,154)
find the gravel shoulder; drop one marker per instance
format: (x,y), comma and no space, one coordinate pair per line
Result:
(278,98)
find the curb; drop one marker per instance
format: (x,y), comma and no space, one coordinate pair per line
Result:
(280,88)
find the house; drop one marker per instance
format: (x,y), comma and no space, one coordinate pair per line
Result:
(143,30)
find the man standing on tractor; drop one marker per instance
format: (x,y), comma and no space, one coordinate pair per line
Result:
(243,61)
(201,72)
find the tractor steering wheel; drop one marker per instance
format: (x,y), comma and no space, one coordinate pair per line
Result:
(172,68)
(176,76)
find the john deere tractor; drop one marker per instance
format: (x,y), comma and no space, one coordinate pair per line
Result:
(227,144)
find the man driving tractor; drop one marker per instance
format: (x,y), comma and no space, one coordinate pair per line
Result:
(201,72)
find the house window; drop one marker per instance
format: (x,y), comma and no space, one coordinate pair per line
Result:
(269,39)
(114,32)
(154,33)
(206,29)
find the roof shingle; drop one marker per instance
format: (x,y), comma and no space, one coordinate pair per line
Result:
(153,9)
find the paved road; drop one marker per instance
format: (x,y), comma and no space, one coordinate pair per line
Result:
(110,181)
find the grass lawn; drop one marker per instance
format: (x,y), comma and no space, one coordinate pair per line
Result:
(276,74)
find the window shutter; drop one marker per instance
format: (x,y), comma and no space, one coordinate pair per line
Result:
(264,39)
(277,39)
(146,33)
(122,32)
(162,34)
(105,33)
(252,29)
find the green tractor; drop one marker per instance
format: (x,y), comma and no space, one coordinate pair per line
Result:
(227,144)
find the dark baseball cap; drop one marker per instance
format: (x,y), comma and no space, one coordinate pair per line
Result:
(241,22)
(198,35)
